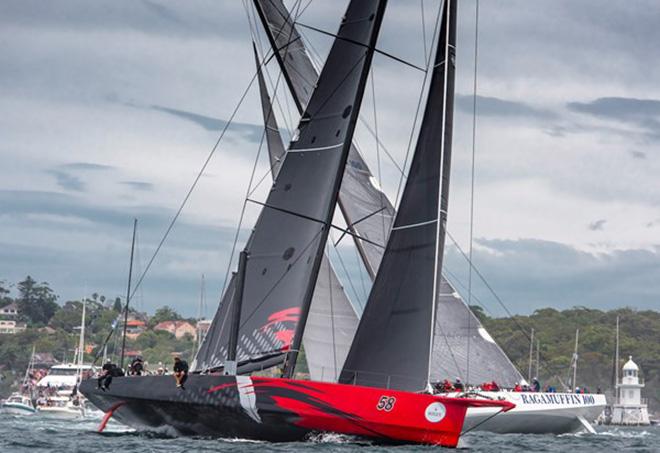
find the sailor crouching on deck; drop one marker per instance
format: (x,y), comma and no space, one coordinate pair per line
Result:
(108,371)
(180,372)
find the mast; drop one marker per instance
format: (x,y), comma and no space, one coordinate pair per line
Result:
(394,342)
(230,364)
(531,351)
(575,359)
(443,188)
(29,368)
(538,348)
(81,343)
(616,364)
(128,296)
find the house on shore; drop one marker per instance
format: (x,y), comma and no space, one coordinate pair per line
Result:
(177,328)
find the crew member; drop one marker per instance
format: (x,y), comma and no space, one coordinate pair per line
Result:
(180,372)
(137,367)
(108,371)
(536,385)
(458,385)
(447,386)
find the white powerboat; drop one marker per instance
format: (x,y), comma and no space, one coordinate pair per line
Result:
(61,406)
(18,404)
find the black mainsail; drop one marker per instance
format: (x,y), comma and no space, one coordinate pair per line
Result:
(369,212)
(393,344)
(286,246)
(332,320)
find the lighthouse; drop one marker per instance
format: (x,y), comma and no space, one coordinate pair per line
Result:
(630,408)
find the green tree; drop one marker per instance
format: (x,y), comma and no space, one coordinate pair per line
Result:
(117,305)
(4,294)
(68,317)
(36,301)
(164,314)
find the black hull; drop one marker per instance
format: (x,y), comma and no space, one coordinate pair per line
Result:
(281,410)
(154,403)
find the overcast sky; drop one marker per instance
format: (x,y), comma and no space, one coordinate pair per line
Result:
(109,108)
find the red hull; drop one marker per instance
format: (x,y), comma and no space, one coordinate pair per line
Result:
(276,409)
(377,413)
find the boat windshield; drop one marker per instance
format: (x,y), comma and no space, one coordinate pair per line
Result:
(15,399)
(63,372)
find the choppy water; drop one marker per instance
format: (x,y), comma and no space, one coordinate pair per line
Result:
(36,434)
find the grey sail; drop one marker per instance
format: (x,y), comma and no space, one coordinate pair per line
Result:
(392,346)
(207,357)
(366,208)
(276,150)
(455,327)
(332,320)
(359,197)
(330,327)
(286,246)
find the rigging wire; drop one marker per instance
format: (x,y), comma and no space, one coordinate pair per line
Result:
(420,101)
(378,51)
(254,169)
(194,184)
(474,151)
(256,37)
(380,175)
(423,30)
(332,311)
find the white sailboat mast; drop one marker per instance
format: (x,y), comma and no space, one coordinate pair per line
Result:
(616,364)
(81,344)
(575,359)
(531,351)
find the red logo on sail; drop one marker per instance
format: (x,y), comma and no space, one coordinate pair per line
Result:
(285,336)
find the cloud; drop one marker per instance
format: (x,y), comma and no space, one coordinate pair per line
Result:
(528,274)
(250,132)
(86,166)
(139,185)
(638,154)
(597,225)
(68,181)
(492,106)
(75,244)
(643,113)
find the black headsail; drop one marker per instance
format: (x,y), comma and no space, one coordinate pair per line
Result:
(392,346)
(286,247)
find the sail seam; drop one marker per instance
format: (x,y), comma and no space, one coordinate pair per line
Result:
(318,148)
(414,225)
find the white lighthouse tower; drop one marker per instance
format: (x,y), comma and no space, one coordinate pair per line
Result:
(630,408)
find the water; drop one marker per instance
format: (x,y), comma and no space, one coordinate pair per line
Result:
(36,434)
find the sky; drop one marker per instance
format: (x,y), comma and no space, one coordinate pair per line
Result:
(108,110)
